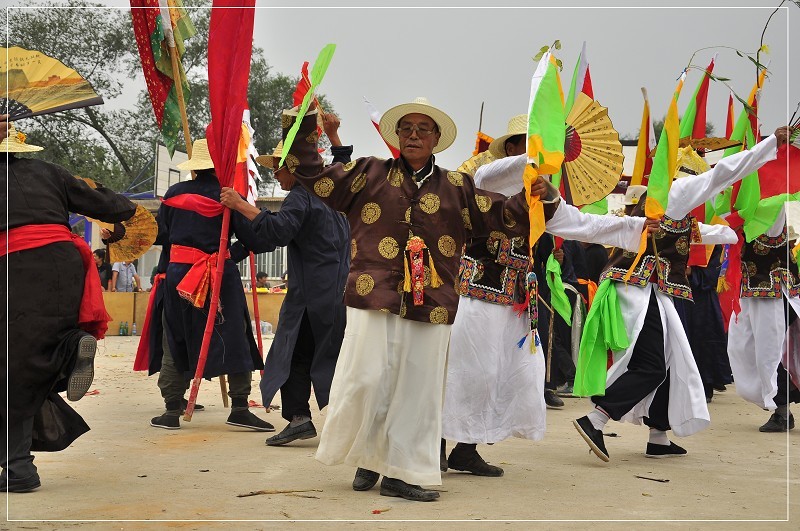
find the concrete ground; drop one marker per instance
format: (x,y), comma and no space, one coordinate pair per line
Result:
(125,474)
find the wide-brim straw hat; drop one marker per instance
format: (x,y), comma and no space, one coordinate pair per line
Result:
(690,163)
(421,105)
(201,158)
(518,125)
(268,161)
(633,194)
(15,143)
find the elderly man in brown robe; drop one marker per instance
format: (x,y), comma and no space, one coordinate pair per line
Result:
(409,219)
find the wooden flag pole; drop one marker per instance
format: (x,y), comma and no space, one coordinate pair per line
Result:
(256,311)
(176,79)
(223,386)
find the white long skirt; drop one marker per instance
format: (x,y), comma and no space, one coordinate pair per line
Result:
(494,388)
(755,345)
(385,410)
(687,409)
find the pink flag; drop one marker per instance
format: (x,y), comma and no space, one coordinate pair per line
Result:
(375,116)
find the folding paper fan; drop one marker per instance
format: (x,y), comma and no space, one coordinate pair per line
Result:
(140,233)
(471,165)
(709,143)
(592,152)
(34,84)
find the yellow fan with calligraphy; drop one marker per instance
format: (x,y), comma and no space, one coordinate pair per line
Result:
(592,152)
(34,84)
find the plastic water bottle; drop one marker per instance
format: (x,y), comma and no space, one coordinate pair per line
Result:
(121,329)
(124,328)
(133,331)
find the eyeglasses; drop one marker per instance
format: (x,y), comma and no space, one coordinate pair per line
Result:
(422,132)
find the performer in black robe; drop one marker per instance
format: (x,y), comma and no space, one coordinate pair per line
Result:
(191,247)
(47,351)
(312,317)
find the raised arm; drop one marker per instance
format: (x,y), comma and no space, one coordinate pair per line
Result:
(690,192)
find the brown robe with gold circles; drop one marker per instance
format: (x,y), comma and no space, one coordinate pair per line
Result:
(385,207)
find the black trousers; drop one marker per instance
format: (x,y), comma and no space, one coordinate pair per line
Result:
(646,372)
(296,391)
(787,392)
(17,459)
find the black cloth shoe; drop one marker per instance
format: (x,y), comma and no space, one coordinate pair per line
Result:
(720,388)
(471,461)
(26,484)
(245,419)
(551,400)
(592,436)
(443,458)
(82,375)
(658,451)
(777,424)
(365,479)
(305,430)
(396,487)
(166,421)
(197,407)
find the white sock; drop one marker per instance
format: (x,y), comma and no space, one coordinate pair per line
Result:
(598,419)
(658,437)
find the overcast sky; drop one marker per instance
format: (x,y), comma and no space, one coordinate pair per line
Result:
(459,57)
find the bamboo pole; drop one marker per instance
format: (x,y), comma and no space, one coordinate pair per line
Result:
(256,311)
(176,77)
(223,387)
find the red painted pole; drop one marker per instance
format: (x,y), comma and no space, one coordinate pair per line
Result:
(256,312)
(212,315)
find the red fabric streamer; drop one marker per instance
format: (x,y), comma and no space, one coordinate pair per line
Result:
(142,360)
(92,316)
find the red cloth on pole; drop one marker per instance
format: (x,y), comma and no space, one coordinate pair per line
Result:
(205,206)
(230,46)
(142,360)
(92,316)
(729,299)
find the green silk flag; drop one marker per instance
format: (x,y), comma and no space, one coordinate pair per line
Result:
(665,161)
(693,122)
(604,329)
(598,207)
(317,74)
(749,190)
(558,297)
(546,131)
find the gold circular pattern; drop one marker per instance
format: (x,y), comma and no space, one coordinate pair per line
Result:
(370,213)
(497,235)
(353,249)
(312,138)
(403,309)
(400,286)
(484,203)
(286,121)
(364,284)
(388,248)
(751,268)
(349,166)
(426,280)
(682,245)
(429,203)
(477,273)
(465,217)
(358,183)
(408,215)
(395,177)
(447,246)
(439,315)
(455,178)
(508,219)
(760,249)
(291,162)
(324,187)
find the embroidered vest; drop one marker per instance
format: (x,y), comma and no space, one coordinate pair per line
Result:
(672,246)
(764,268)
(493,269)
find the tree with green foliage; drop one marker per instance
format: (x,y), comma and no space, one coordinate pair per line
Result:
(114,143)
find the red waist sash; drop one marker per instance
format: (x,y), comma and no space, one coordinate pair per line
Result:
(92,316)
(201,276)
